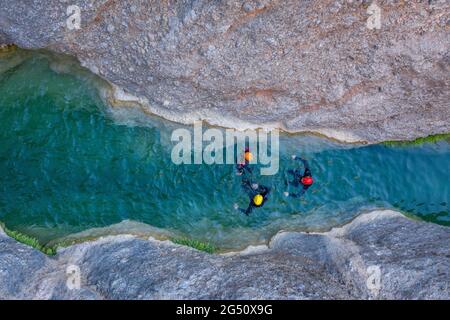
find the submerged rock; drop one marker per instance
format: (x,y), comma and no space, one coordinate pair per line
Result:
(299,65)
(381,254)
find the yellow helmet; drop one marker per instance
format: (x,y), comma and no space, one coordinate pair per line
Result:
(248,156)
(258,199)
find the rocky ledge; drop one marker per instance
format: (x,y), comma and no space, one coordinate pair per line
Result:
(298,65)
(381,255)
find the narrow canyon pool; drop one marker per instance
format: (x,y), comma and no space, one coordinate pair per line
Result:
(69,163)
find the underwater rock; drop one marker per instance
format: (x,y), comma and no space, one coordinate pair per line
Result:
(381,254)
(299,65)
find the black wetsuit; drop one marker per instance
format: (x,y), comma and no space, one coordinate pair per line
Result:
(298,175)
(242,167)
(262,190)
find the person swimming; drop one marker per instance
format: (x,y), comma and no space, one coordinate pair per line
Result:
(243,165)
(257,193)
(304,179)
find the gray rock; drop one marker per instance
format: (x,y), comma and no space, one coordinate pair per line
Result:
(413,259)
(110,28)
(247,7)
(335,77)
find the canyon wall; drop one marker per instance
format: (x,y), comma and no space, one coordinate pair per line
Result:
(381,255)
(298,65)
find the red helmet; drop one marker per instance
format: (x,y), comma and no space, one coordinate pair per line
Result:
(307,181)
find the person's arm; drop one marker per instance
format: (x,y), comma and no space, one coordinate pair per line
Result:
(295,173)
(295,176)
(245,183)
(297,195)
(286,181)
(305,163)
(247,167)
(263,190)
(298,158)
(248,210)
(301,193)
(247,186)
(307,171)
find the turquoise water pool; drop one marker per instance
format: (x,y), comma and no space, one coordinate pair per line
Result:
(69,164)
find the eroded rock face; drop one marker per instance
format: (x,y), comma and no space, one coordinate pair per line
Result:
(412,258)
(296,64)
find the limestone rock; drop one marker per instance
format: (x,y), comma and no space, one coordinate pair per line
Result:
(296,64)
(413,260)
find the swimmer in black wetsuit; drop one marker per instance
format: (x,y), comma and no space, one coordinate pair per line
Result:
(243,165)
(257,194)
(304,179)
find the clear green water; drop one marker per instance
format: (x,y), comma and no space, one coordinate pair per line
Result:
(68,164)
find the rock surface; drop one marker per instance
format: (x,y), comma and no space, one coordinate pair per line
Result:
(297,64)
(413,259)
